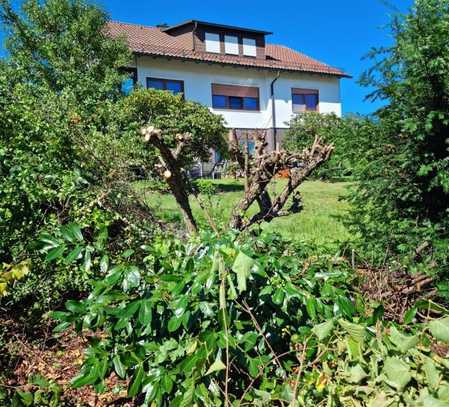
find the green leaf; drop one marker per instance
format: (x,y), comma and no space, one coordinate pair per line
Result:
(85,378)
(346,306)
(73,255)
(242,267)
(356,332)
(322,331)
(356,374)
(432,376)
(278,296)
(55,253)
(216,366)
(403,342)
(439,329)
(119,367)
(409,316)
(311,307)
(132,279)
(26,398)
(76,307)
(145,313)
(72,233)
(397,373)
(104,264)
(136,382)
(174,323)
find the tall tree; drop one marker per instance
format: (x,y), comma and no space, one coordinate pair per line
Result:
(402,202)
(64,45)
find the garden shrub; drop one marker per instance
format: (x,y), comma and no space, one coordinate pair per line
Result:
(173,323)
(288,325)
(401,201)
(365,364)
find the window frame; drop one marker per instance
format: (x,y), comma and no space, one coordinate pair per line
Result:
(306,92)
(236,44)
(165,81)
(228,95)
(219,41)
(247,45)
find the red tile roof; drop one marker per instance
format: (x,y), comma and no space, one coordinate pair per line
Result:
(152,41)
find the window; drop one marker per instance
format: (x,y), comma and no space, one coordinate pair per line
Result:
(249,47)
(305,100)
(235,97)
(130,82)
(231,45)
(212,42)
(170,85)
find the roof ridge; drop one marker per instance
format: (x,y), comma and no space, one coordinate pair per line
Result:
(132,24)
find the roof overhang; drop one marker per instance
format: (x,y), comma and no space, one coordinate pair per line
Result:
(215,25)
(297,69)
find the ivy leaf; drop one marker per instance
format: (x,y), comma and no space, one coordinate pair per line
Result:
(439,329)
(216,367)
(356,374)
(397,373)
(403,342)
(242,267)
(322,331)
(356,332)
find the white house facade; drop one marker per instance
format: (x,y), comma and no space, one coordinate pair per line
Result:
(232,70)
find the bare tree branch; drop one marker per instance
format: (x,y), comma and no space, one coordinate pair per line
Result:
(264,167)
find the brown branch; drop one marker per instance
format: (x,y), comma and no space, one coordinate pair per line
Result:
(171,170)
(264,167)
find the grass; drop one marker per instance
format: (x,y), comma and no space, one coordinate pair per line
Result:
(317,223)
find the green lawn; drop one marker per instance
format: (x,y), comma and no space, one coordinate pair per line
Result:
(316,223)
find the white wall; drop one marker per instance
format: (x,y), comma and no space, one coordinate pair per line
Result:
(198,78)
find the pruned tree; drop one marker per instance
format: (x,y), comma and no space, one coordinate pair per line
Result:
(170,168)
(259,171)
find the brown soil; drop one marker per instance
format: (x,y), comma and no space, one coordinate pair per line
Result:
(59,360)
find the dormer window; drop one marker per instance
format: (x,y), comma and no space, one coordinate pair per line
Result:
(212,41)
(231,44)
(249,47)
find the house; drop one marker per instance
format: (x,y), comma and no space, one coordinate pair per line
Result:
(234,71)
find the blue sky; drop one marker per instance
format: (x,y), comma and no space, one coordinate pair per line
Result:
(339,33)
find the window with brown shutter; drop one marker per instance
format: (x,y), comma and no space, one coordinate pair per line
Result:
(235,97)
(305,100)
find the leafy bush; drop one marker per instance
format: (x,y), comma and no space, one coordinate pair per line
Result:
(360,364)
(173,324)
(9,273)
(174,115)
(401,204)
